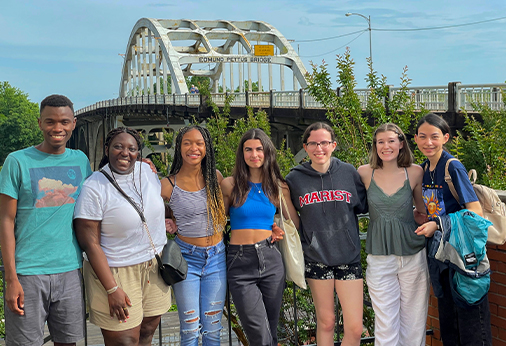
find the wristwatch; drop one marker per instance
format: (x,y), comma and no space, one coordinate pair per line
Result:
(437,220)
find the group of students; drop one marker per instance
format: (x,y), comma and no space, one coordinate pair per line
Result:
(39,187)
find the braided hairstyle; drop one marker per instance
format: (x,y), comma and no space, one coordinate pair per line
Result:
(112,134)
(215,206)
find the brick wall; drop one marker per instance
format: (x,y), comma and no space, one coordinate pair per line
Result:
(496,296)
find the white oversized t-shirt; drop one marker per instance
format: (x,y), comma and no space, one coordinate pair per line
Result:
(123,239)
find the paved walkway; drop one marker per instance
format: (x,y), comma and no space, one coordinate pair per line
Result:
(170,333)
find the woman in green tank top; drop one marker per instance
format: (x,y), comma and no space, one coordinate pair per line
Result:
(397,274)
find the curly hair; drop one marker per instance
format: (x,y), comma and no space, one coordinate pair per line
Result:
(271,175)
(215,206)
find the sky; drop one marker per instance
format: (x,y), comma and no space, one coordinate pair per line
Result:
(73,47)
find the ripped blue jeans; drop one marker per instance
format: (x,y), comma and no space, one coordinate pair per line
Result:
(201,297)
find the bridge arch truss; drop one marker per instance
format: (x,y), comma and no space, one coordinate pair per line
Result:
(160,50)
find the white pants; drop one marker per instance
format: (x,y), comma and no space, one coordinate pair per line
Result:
(399,290)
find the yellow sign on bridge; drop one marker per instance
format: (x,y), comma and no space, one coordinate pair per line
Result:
(264,50)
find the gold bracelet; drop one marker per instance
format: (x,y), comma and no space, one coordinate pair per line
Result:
(112,290)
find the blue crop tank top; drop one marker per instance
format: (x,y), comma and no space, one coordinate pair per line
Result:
(257,212)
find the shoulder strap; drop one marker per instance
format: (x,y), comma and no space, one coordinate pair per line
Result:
(282,204)
(136,207)
(448,180)
(115,184)
(170,181)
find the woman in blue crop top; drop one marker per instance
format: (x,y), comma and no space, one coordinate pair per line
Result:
(195,199)
(255,270)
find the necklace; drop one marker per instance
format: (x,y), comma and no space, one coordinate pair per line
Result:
(139,193)
(256,187)
(432,175)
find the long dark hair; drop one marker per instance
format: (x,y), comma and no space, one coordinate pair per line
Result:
(112,134)
(271,175)
(436,121)
(215,206)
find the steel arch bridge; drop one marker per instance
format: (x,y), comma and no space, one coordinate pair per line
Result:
(160,50)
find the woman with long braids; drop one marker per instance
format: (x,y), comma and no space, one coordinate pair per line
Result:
(193,193)
(125,291)
(256,274)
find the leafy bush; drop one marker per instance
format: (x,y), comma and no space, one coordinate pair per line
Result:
(482,145)
(353,127)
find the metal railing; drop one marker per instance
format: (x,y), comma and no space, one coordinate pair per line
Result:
(489,94)
(434,98)
(364,340)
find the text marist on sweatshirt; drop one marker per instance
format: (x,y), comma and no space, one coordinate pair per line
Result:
(325,196)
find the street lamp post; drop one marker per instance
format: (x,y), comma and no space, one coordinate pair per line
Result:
(370,31)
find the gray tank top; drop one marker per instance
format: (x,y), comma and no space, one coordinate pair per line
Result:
(190,211)
(392,224)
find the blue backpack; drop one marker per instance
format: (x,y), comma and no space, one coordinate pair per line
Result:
(468,238)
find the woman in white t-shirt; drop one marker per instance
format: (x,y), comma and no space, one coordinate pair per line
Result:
(125,292)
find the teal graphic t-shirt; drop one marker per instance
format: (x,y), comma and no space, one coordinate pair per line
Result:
(46,187)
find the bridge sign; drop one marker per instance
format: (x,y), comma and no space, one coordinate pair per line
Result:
(264,50)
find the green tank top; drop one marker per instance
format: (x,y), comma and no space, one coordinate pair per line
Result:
(392,224)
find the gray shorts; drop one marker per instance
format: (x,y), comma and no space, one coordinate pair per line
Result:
(55,298)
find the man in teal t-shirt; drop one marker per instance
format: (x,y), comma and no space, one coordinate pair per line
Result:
(38,189)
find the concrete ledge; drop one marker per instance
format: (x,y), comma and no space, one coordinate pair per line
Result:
(502,195)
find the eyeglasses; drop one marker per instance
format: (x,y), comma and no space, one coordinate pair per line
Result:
(322,144)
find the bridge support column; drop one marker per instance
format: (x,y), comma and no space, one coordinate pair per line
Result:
(454,97)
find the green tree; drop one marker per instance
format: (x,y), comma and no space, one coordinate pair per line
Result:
(162,87)
(254,86)
(353,127)
(200,82)
(18,121)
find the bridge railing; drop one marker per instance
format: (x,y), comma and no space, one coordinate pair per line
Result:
(489,94)
(286,99)
(434,98)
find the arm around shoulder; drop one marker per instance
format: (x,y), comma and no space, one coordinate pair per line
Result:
(167,187)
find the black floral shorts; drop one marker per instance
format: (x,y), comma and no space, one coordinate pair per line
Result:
(320,271)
